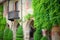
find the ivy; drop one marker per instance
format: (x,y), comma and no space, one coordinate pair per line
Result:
(46,14)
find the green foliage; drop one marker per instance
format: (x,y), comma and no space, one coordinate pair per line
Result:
(46,13)
(2,22)
(8,34)
(1,8)
(1,35)
(19,33)
(38,34)
(44,38)
(2,19)
(2,27)
(28,16)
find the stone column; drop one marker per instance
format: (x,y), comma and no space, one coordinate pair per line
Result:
(26,30)
(14,25)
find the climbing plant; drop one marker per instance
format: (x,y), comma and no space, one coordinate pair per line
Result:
(46,14)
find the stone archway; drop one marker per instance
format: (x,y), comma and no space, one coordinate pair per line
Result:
(32,29)
(28,29)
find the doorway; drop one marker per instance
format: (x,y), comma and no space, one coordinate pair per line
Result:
(32,30)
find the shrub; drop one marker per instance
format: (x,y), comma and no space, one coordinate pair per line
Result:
(8,34)
(1,8)
(2,22)
(19,33)
(1,35)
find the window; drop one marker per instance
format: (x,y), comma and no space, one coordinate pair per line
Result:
(16,5)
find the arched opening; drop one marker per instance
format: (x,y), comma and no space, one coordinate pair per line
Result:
(17,26)
(32,29)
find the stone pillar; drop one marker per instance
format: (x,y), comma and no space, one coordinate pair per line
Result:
(26,30)
(14,24)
